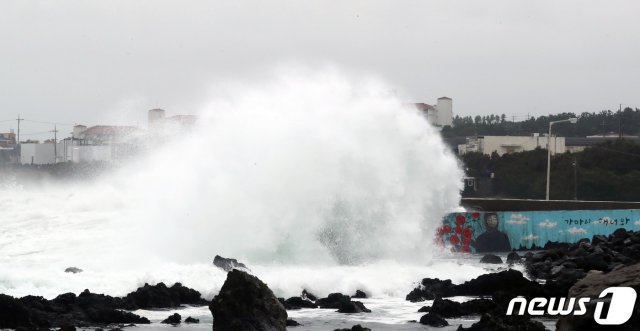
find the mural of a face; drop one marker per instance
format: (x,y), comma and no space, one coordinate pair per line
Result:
(491,220)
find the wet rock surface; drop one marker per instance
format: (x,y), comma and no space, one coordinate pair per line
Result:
(191,320)
(359,295)
(430,288)
(65,310)
(173,319)
(353,307)
(291,322)
(433,319)
(73,270)
(591,286)
(356,327)
(161,296)
(342,303)
(491,259)
(294,303)
(228,264)
(581,269)
(448,308)
(246,303)
(91,309)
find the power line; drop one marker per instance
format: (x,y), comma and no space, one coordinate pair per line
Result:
(46,122)
(35,133)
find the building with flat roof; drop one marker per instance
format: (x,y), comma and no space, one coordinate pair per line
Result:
(510,144)
(440,114)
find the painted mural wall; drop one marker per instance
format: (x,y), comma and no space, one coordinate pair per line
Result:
(479,232)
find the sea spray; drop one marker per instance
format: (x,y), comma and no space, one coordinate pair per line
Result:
(308,171)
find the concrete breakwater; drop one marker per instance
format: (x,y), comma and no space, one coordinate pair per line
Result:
(501,231)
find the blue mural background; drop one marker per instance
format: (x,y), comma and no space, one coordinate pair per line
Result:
(460,231)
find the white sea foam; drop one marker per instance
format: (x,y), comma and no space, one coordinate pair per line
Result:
(314,180)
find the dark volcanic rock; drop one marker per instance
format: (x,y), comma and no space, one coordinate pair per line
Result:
(448,308)
(424,309)
(73,270)
(431,288)
(353,307)
(291,322)
(65,310)
(343,303)
(161,296)
(591,286)
(433,319)
(556,245)
(490,258)
(246,303)
(173,319)
(14,314)
(492,322)
(191,320)
(112,316)
(356,327)
(307,295)
(227,264)
(508,281)
(297,303)
(333,301)
(359,295)
(514,257)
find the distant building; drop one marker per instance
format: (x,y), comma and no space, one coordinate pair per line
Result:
(34,153)
(510,144)
(159,122)
(440,114)
(7,139)
(107,134)
(101,143)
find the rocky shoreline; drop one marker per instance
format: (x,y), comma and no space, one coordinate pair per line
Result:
(561,270)
(582,269)
(87,309)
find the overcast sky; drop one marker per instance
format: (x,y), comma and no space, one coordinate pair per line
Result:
(86,61)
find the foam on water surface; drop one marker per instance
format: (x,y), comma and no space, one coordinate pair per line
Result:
(314,180)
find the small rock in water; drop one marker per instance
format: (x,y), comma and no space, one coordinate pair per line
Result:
(333,301)
(73,270)
(173,319)
(514,257)
(424,309)
(356,327)
(359,295)
(298,303)
(433,319)
(308,295)
(191,320)
(291,322)
(490,258)
(67,328)
(353,307)
(227,264)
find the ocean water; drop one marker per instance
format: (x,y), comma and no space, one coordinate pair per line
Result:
(315,180)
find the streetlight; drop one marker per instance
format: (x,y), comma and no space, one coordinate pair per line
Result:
(572,120)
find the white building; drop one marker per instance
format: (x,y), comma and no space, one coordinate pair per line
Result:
(441,114)
(35,153)
(510,144)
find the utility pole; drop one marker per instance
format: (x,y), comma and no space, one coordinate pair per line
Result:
(19,119)
(575,178)
(572,120)
(55,144)
(620,122)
